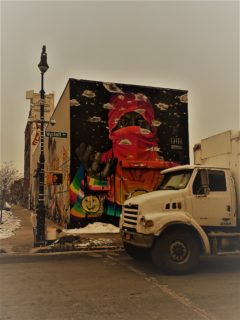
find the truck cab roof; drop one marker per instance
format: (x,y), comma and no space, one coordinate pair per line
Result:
(190,167)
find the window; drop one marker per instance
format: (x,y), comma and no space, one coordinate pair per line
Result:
(175,180)
(217,182)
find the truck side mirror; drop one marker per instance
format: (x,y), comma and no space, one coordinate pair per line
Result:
(204,181)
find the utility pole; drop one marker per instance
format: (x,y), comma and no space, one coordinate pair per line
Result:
(41,210)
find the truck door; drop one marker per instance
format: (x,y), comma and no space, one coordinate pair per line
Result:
(212,208)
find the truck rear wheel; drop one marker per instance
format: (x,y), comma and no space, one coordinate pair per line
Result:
(136,252)
(176,252)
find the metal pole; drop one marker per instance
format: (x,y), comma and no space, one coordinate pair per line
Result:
(41,210)
(40,236)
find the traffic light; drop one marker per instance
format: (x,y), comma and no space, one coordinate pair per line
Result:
(57,178)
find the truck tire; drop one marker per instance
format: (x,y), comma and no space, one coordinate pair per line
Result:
(176,252)
(136,252)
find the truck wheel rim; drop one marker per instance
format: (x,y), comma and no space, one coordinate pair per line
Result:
(178,251)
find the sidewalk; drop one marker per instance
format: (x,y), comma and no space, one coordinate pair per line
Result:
(23,240)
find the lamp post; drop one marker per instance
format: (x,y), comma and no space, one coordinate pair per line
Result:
(40,228)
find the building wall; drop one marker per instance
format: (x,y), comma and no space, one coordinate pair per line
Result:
(32,137)
(57,161)
(27,165)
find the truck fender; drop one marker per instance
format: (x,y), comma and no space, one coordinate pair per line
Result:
(185,220)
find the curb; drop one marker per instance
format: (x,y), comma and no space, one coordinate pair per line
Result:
(76,249)
(52,253)
(78,243)
(70,244)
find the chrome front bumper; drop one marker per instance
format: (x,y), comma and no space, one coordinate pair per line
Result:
(137,239)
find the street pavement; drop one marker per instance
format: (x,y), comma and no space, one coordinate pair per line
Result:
(102,284)
(111,285)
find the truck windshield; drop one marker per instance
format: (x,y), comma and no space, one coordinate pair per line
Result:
(175,180)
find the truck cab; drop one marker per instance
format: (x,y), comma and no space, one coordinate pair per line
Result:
(208,194)
(194,211)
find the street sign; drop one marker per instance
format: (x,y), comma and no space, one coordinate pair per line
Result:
(56,134)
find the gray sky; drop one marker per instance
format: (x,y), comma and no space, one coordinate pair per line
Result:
(176,44)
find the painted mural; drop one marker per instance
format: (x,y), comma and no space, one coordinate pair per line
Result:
(57,166)
(122,136)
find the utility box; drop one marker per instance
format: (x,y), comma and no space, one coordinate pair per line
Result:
(51,233)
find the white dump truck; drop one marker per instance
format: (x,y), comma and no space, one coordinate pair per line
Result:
(195,211)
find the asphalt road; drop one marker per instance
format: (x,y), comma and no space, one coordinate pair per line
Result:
(111,285)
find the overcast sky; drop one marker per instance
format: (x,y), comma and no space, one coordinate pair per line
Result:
(176,44)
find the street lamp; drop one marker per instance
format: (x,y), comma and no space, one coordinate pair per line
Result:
(40,228)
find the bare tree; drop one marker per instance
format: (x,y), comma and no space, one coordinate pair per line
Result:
(8,174)
(17,191)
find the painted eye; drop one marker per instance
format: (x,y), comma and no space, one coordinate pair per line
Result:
(123,123)
(140,122)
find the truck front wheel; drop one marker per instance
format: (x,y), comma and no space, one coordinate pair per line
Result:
(176,252)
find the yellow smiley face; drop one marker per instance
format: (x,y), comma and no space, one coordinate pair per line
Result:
(91,203)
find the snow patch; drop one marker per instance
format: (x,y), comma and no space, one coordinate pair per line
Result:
(94,243)
(96,227)
(9,224)
(7,205)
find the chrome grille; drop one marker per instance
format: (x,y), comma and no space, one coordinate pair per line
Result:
(130,214)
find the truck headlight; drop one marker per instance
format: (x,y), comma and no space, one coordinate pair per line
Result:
(146,223)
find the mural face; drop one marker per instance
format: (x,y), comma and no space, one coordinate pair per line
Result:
(122,136)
